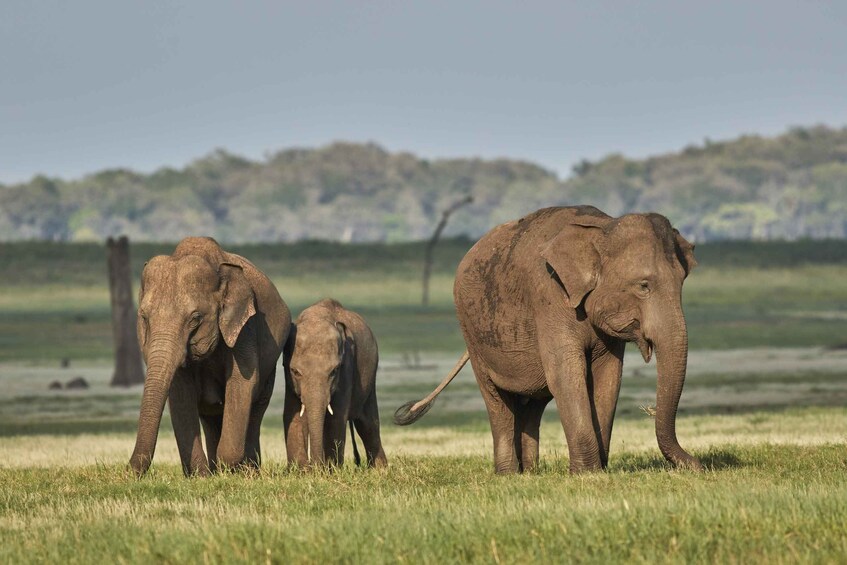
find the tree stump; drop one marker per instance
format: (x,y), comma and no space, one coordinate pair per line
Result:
(128,367)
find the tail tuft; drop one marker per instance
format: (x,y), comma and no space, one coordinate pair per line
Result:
(404,415)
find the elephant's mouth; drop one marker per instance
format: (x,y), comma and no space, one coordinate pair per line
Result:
(645,346)
(632,332)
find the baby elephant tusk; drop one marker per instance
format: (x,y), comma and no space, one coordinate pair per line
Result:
(329,407)
(302,409)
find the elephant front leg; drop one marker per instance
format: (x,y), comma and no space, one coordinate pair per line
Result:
(567,381)
(254,427)
(241,391)
(182,403)
(335,436)
(606,371)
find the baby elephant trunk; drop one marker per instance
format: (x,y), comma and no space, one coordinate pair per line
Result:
(316,406)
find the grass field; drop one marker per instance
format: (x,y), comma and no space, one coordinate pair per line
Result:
(764,407)
(773,443)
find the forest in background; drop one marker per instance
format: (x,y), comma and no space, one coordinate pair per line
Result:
(790,187)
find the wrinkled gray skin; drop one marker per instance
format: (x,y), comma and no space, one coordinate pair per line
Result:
(211,327)
(546,305)
(333,364)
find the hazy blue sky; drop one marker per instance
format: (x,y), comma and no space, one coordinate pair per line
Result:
(88,84)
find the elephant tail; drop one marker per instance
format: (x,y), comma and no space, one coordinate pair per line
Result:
(412,411)
(356,457)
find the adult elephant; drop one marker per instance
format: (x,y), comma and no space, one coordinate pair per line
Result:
(546,305)
(211,327)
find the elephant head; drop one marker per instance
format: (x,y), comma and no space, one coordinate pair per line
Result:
(316,366)
(625,276)
(187,305)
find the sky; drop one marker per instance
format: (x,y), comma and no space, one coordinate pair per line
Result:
(95,84)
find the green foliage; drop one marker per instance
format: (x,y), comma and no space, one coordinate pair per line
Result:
(788,187)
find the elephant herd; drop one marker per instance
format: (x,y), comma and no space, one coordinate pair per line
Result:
(546,305)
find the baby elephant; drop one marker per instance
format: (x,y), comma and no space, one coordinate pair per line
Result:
(330,382)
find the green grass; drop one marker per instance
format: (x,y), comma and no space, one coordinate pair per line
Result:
(764,504)
(773,443)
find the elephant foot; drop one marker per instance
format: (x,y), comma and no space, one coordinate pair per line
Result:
(200,471)
(577,468)
(690,463)
(506,469)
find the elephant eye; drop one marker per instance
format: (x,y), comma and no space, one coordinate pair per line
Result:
(195,319)
(644,286)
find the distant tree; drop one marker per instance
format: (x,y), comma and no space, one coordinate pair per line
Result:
(433,241)
(363,192)
(128,368)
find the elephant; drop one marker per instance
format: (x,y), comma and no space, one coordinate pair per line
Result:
(546,305)
(211,327)
(330,382)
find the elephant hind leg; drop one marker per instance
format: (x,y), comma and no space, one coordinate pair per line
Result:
(212,426)
(368,427)
(528,425)
(501,415)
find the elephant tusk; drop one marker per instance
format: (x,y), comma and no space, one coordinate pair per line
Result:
(302,409)
(329,408)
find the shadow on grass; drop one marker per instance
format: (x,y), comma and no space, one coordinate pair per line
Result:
(713,460)
(834,399)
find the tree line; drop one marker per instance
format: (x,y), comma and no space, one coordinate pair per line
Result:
(791,186)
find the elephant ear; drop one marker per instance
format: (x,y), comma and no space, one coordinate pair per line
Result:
(343,342)
(347,352)
(237,301)
(684,253)
(573,256)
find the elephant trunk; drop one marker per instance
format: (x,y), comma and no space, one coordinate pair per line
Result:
(671,360)
(166,353)
(316,402)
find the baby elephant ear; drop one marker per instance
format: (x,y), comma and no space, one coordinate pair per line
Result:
(237,301)
(685,253)
(342,338)
(573,256)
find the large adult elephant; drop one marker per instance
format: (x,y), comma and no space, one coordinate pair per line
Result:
(546,305)
(211,328)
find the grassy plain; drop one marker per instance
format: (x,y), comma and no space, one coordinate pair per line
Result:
(763,407)
(54,301)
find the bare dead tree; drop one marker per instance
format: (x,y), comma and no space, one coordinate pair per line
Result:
(128,367)
(433,241)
